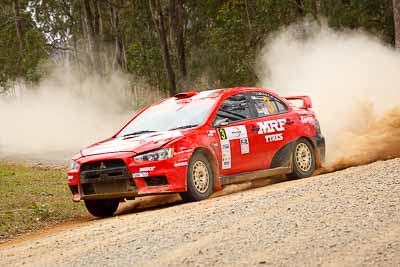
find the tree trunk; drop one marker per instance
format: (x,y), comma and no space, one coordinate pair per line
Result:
(178,22)
(300,7)
(159,23)
(120,55)
(68,10)
(316,8)
(396,13)
(18,28)
(98,25)
(248,16)
(90,30)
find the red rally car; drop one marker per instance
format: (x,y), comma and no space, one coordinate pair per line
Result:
(195,143)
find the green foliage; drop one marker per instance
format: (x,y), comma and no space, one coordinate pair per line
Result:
(13,65)
(40,211)
(33,198)
(371,15)
(222,38)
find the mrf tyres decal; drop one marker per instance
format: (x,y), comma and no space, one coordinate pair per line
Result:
(273,129)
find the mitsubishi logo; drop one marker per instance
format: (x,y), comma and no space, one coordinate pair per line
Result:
(102,165)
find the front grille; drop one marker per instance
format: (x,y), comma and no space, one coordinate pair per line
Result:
(98,174)
(104,171)
(105,177)
(102,164)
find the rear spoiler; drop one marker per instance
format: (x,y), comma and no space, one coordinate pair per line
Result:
(306,101)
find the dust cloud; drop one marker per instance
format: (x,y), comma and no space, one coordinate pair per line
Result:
(353,80)
(66,111)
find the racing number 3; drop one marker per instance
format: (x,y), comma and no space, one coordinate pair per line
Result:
(222,134)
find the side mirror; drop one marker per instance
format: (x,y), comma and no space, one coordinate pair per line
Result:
(221,122)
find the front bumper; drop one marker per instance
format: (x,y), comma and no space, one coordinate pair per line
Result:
(127,179)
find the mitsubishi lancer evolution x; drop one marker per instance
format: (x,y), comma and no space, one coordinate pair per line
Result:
(195,143)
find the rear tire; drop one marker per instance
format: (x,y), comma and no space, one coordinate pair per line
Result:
(200,179)
(102,207)
(303,159)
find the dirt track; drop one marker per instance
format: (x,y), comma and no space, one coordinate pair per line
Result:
(347,218)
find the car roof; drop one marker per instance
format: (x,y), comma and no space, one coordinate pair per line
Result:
(212,93)
(242,89)
(215,93)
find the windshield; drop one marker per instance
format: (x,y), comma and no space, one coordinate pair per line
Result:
(170,115)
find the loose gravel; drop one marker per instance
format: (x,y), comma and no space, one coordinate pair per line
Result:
(346,218)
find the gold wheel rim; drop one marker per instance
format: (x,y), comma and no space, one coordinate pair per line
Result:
(303,157)
(201,177)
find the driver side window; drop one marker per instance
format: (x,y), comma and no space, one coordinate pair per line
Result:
(234,108)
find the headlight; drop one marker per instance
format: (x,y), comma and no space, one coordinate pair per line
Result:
(74,165)
(161,154)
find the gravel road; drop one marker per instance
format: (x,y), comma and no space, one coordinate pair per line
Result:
(346,218)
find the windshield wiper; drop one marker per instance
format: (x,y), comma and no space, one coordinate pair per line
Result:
(138,132)
(183,127)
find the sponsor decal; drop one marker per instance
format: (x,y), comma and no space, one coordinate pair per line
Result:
(147,169)
(271,126)
(180,164)
(226,154)
(274,137)
(301,111)
(70,177)
(211,132)
(307,120)
(233,133)
(236,132)
(140,174)
(226,146)
(183,152)
(244,146)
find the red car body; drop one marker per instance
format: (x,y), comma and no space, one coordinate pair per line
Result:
(246,149)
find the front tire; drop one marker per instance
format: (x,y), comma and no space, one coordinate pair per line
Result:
(102,207)
(200,179)
(303,159)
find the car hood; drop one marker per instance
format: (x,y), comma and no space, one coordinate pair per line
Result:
(137,143)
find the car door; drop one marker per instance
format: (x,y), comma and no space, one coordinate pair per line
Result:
(273,128)
(236,144)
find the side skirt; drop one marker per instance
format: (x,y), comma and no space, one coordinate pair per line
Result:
(254,175)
